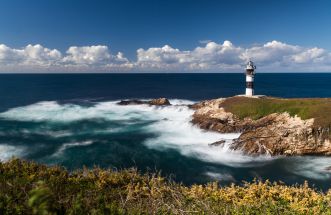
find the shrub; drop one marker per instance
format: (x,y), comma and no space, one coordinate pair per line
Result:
(30,188)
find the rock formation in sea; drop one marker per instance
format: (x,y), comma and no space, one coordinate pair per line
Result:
(157,102)
(273,134)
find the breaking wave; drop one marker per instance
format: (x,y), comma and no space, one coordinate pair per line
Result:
(221,176)
(70,145)
(170,125)
(311,167)
(8,151)
(104,132)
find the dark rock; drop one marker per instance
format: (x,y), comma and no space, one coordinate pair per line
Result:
(156,102)
(132,102)
(217,143)
(159,101)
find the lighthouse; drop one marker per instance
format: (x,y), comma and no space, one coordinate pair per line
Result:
(250,72)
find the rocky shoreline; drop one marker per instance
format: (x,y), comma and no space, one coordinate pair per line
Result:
(273,134)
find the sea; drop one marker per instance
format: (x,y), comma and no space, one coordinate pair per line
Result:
(73,120)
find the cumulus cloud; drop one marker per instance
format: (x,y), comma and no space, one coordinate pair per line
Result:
(271,56)
(34,57)
(87,55)
(37,54)
(212,55)
(215,55)
(314,55)
(29,55)
(209,56)
(271,52)
(92,55)
(276,55)
(164,57)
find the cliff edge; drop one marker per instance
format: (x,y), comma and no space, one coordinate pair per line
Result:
(273,126)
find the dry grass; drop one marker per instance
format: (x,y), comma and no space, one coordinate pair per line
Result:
(30,188)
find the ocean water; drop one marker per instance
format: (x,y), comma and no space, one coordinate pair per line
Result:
(73,120)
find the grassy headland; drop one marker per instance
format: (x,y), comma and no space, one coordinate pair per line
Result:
(30,188)
(306,108)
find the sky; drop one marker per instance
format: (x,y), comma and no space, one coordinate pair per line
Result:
(164,35)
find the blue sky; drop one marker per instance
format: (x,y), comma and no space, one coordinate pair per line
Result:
(97,30)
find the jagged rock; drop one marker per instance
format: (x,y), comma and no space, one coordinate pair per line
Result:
(217,143)
(157,102)
(209,115)
(132,102)
(274,134)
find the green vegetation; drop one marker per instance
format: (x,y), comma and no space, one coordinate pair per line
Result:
(317,108)
(30,188)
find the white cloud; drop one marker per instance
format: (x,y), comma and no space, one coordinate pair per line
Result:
(217,55)
(271,52)
(88,55)
(161,58)
(30,55)
(37,54)
(210,56)
(36,57)
(271,56)
(314,55)
(8,55)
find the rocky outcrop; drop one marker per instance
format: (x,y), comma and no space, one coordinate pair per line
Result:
(274,134)
(217,143)
(132,102)
(211,116)
(157,102)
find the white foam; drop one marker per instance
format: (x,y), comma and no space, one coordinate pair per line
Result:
(224,176)
(66,146)
(310,167)
(54,112)
(171,125)
(181,102)
(8,151)
(171,128)
(176,132)
(48,111)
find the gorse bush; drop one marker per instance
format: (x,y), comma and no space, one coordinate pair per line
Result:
(30,188)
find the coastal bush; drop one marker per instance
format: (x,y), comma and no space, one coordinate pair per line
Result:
(30,188)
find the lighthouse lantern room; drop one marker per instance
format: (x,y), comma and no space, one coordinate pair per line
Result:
(250,72)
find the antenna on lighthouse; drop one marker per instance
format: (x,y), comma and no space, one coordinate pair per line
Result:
(250,72)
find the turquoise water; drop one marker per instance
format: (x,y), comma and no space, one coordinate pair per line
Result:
(73,120)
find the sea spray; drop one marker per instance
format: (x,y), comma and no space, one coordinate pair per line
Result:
(174,130)
(8,151)
(106,134)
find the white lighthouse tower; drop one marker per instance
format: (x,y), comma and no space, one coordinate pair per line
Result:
(250,72)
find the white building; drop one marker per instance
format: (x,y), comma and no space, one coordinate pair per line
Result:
(250,72)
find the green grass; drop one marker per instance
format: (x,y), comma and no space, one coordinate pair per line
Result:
(30,188)
(306,108)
